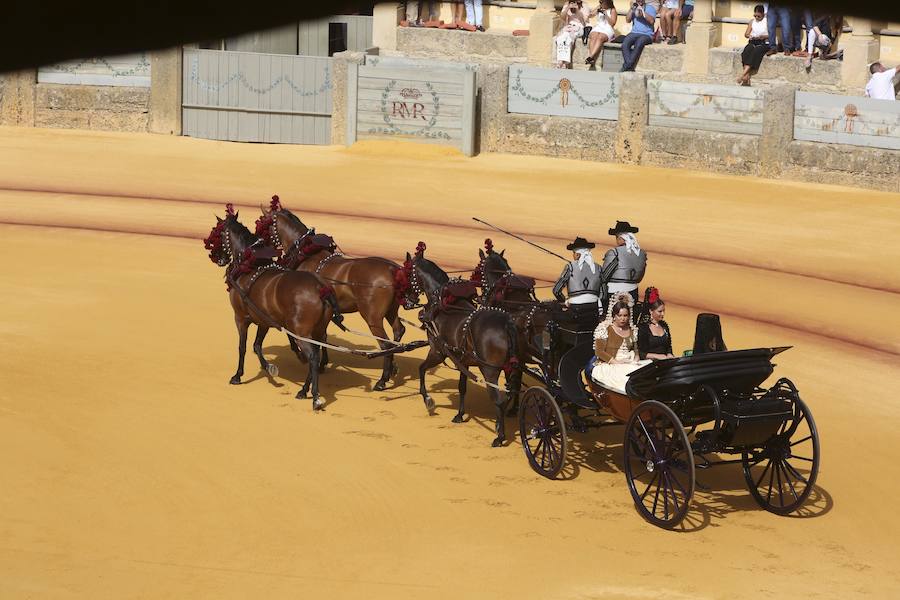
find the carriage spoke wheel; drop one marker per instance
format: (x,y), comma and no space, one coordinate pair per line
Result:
(781,475)
(543,432)
(659,464)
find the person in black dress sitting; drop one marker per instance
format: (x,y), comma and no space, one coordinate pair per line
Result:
(654,337)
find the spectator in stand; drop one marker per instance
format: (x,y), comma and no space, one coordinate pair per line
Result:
(800,17)
(667,21)
(682,13)
(884,83)
(603,31)
(779,15)
(823,36)
(474,14)
(575,17)
(419,13)
(757,34)
(458,9)
(642,18)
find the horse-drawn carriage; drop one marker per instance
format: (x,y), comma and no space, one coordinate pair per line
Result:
(679,414)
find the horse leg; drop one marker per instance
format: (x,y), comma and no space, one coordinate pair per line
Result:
(463,381)
(324,352)
(493,376)
(312,375)
(377,328)
(433,359)
(515,387)
(399,329)
(296,349)
(261,332)
(242,326)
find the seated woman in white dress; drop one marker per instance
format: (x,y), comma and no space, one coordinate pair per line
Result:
(575,16)
(615,344)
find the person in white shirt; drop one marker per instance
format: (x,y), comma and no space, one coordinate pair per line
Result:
(882,84)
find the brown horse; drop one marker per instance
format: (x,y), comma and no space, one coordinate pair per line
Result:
(468,335)
(365,285)
(263,293)
(502,288)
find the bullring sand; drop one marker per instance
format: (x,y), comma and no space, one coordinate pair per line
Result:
(131,469)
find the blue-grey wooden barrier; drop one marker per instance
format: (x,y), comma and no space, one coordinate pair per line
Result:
(847,120)
(431,105)
(253,97)
(565,93)
(729,109)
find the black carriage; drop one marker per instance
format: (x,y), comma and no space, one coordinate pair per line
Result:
(680,415)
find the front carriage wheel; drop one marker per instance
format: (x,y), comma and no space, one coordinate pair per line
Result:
(543,432)
(659,464)
(781,475)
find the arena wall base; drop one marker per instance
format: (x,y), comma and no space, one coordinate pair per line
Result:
(102,108)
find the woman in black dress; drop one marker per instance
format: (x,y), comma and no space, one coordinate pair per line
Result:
(654,337)
(757,34)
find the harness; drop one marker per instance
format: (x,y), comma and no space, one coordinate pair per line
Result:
(443,300)
(325,261)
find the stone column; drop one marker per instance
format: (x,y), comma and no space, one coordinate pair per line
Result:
(386,16)
(17,95)
(165,91)
(634,109)
(339,93)
(701,35)
(542,27)
(861,48)
(778,129)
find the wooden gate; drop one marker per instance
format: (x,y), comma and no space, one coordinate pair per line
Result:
(254,97)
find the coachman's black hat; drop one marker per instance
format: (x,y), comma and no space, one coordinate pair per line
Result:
(580,242)
(622,227)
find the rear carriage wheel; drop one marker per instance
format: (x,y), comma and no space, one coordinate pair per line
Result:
(782,475)
(543,432)
(659,464)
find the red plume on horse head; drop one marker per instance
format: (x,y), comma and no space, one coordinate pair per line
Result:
(229,209)
(488,245)
(275,204)
(420,249)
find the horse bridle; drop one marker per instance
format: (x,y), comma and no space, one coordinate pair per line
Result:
(416,289)
(294,248)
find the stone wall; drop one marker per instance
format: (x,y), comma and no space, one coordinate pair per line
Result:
(701,150)
(631,140)
(104,108)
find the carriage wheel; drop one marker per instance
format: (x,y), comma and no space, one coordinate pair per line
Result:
(659,464)
(543,432)
(781,475)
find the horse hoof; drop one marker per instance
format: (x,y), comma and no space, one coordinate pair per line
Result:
(380,386)
(429,404)
(458,419)
(301,395)
(497,442)
(272,370)
(236,380)
(318,404)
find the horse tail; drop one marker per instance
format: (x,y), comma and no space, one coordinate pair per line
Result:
(326,293)
(511,365)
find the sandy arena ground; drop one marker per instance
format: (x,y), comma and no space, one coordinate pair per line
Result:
(131,469)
